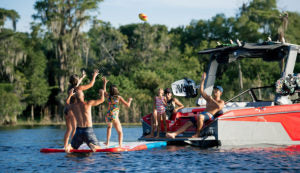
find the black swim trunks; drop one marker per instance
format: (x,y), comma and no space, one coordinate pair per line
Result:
(207,116)
(86,135)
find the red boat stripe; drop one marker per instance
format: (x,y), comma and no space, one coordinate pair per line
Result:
(255,115)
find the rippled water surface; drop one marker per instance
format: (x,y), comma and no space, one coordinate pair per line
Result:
(19,148)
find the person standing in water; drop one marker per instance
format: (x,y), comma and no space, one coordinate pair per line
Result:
(112,116)
(82,112)
(214,104)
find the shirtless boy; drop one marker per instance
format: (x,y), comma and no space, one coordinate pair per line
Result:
(82,112)
(214,104)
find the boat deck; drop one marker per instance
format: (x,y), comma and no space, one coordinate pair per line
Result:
(199,142)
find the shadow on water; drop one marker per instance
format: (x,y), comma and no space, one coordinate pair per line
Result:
(78,155)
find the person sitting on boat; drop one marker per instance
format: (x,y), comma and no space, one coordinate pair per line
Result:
(75,82)
(82,112)
(214,105)
(172,102)
(170,109)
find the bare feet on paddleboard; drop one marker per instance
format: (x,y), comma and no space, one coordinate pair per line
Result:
(94,147)
(106,143)
(68,148)
(149,136)
(170,135)
(195,136)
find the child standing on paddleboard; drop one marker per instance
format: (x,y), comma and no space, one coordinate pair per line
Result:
(160,104)
(112,116)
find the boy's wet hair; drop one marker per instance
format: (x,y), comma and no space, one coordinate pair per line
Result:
(73,80)
(113,90)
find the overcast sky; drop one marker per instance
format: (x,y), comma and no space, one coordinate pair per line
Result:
(171,13)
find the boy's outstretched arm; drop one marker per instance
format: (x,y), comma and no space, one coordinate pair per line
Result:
(80,79)
(201,89)
(104,83)
(207,97)
(91,84)
(127,104)
(99,101)
(71,93)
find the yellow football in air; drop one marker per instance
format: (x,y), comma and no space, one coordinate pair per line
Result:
(143,17)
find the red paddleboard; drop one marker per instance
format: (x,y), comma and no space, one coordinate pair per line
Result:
(135,147)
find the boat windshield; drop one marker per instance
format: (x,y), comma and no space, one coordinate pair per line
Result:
(266,93)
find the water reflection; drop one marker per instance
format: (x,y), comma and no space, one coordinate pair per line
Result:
(292,150)
(80,155)
(172,148)
(115,155)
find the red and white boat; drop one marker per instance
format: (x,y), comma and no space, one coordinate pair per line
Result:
(245,122)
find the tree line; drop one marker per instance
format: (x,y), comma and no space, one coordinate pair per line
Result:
(138,58)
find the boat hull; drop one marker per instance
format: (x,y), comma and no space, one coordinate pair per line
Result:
(275,125)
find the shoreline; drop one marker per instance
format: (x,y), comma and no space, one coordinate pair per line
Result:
(24,123)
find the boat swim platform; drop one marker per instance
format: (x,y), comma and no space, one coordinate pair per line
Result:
(206,142)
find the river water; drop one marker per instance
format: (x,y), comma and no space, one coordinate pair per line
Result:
(20,152)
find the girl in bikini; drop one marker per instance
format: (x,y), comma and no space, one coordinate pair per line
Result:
(112,116)
(160,103)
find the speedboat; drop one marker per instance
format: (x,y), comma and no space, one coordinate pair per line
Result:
(240,122)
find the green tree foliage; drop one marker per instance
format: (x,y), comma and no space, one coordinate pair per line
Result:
(12,53)
(107,46)
(8,14)
(64,19)
(257,20)
(37,88)
(10,104)
(22,72)
(12,56)
(292,34)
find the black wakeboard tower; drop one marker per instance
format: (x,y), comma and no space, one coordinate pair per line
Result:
(268,51)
